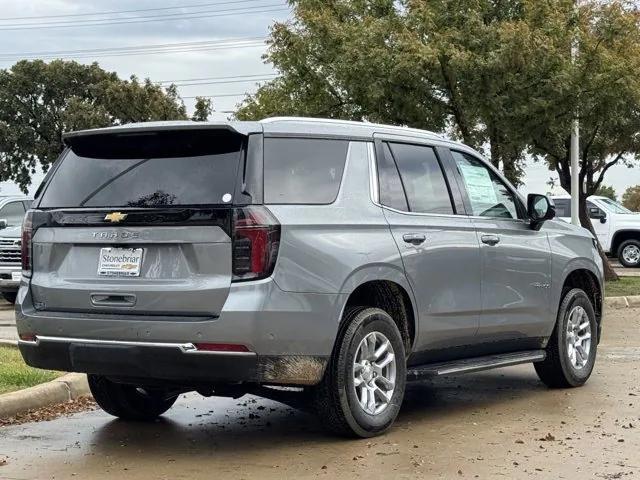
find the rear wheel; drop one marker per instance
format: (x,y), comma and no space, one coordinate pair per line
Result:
(571,351)
(128,401)
(629,253)
(363,386)
(10,296)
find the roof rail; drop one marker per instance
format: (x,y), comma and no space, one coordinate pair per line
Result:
(349,122)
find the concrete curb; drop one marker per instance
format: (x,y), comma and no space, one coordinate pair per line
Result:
(622,302)
(9,343)
(61,390)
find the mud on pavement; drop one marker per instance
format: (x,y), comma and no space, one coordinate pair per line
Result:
(499,424)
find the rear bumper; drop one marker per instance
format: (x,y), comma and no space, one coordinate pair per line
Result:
(171,362)
(290,337)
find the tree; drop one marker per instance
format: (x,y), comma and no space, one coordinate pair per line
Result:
(602,88)
(440,65)
(631,198)
(39,101)
(204,107)
(607,191)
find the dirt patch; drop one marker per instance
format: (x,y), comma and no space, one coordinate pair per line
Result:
(49,413)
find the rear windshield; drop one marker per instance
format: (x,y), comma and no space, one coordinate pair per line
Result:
(150,170)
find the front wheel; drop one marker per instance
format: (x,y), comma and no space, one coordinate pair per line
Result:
(129,402)
(363,386)
(629,253)
(571,351)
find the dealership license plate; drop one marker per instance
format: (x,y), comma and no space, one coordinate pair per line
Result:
(120,262)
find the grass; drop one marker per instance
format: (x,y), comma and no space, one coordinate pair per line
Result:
(16,375)
(625,287)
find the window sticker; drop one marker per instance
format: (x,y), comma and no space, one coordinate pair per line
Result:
(479,185)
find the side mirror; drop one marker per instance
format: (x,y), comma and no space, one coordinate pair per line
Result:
(596,213)
(540,208)
(3,224)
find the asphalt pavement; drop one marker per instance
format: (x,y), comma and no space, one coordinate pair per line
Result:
(498,424)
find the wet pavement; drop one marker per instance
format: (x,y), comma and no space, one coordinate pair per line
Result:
(499,424)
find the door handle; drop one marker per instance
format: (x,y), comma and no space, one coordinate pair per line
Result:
(414,238)
(490,239)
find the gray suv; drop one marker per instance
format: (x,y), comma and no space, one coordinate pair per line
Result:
(337,259)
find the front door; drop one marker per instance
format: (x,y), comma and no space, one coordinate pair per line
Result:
(516,260)
(439,248)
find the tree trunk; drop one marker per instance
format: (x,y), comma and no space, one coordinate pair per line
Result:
(585,221)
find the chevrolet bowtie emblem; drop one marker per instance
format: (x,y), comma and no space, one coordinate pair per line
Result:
(115,217)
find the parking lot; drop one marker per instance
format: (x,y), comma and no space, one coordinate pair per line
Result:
(498,424)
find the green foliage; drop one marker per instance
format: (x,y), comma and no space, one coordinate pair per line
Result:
(496,74)
(15,374)
(204,107)
(607,191)
(631,198)
(39,101)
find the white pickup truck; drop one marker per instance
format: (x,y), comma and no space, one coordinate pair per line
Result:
(617,227)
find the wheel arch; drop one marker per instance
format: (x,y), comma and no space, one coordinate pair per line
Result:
(622,236)
(387,288)
(586,280)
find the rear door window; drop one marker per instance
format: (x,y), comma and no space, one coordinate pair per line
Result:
(303,170)
(423,179)
(155,171)
(391,189)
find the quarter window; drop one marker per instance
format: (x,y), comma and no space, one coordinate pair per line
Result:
(422,178)
(488,195)
(303,170)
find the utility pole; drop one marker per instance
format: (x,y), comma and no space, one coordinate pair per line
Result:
(575,147)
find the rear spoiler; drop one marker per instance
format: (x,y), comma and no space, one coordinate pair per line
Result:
(242,128)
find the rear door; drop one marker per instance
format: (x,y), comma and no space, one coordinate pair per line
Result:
(138,224)
(516,260)
(439,248)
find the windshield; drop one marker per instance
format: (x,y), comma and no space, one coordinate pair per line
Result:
(615,206)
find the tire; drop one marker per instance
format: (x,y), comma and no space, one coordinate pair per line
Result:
(629,253)
(559,370)
(335,398)
(129,402)
(10,296)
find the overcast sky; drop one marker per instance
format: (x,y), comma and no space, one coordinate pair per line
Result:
(195,21)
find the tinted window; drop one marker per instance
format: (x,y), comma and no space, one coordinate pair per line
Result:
(391,191)
(13,213)
(203,175)
(422,178)
(488,195)
(302,170)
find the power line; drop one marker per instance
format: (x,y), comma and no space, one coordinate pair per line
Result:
(217,82)
(49,53)
(218,96)
(231,77)
(118,12)
(191,15)
(200,48)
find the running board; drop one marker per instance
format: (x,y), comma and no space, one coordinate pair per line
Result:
(477,364)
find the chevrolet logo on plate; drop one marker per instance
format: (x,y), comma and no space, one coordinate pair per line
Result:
(115,217)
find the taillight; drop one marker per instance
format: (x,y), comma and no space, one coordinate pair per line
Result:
(27,234)
(256,239)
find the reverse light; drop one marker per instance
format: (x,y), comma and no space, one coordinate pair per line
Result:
(255,243)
